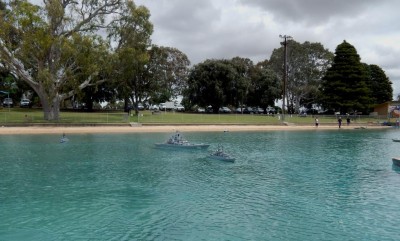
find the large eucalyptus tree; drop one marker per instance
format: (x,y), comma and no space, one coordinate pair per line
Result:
(55,47)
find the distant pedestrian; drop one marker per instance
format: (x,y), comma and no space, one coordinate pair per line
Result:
(316,122)
(340,121)
(348,120)
(397,123)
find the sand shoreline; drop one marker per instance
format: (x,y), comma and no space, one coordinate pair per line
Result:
(169,128)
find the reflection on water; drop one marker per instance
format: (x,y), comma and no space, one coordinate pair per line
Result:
(306,185)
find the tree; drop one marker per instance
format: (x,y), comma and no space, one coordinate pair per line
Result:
(344,87)
(104,92)
(131,31)
(208,82)
(54,48)
(379,84)
(265,86)
(232,82)
(307,63)
(7,81)
(239,90)
(168,70)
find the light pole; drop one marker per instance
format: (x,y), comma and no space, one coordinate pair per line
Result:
(284,43)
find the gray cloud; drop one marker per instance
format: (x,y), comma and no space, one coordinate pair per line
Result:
(185,16)
(250,28)
(311,12)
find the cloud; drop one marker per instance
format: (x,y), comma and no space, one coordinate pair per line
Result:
(311,12)
(185,16)
(250,28)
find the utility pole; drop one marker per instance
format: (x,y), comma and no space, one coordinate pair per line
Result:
(284,44)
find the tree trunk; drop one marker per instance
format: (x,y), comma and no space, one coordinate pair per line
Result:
(52,113)
(51,106)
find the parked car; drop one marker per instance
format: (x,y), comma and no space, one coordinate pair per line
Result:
(154,107)
(209,109)
(270,110)
(130,107)
(25,103)
(180,108)
(258,110)
(8,102)
(77,105)
(224,109)
(201,110)
(248,110)
(162,106)
(245,110)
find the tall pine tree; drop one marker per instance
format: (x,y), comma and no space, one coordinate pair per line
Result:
(344,86)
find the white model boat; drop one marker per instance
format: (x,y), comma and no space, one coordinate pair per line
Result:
(64,139)
(177,141)
(221,155)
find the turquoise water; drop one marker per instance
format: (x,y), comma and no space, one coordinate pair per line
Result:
(305,185)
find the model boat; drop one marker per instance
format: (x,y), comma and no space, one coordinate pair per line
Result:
(64,139)
(396,161)
(221,155)
(178,141)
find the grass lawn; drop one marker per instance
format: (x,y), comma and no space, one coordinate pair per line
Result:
(30,116)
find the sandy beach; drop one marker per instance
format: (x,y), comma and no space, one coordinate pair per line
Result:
(169,128)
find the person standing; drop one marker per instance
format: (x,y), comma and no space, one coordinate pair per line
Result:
(316,122)
(348,120)
(340,121)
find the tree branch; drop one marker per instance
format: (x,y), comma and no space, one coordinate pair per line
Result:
(16,66)
(108,7)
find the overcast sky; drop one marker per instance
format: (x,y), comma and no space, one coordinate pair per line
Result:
(217,29)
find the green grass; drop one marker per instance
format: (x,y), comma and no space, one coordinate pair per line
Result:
(32,116)
(19,115)
(200,118)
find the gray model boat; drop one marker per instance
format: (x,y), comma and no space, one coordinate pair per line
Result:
(178,141)
(396,161)
(64,139)
(221,155)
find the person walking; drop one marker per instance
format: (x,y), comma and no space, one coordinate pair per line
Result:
(340,121)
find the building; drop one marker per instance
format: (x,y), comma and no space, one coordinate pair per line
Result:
(391,109)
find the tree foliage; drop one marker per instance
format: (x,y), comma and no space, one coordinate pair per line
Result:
(307,63)
(265,86)
(208,83)
(344,87)
(379,84)
(168,69)
(131,31)
(241,85)
(232,82)
(54,47)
